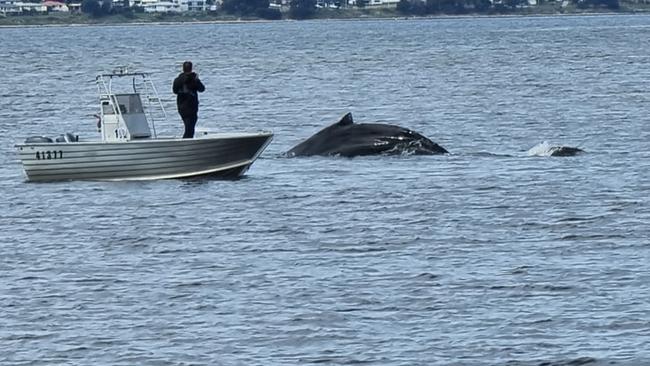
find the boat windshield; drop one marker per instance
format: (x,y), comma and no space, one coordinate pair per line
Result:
(129,104)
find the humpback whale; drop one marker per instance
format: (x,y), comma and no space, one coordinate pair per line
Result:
(349,139)
(545,149)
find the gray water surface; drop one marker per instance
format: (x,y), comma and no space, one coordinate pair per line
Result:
(486,256)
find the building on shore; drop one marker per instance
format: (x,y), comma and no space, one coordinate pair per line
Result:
(15,7)
(171,6)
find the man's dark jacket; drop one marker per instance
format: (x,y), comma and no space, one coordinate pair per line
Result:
(186,87)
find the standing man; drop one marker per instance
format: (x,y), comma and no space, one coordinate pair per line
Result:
(186,87)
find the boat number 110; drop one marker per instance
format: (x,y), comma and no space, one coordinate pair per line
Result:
(49,155)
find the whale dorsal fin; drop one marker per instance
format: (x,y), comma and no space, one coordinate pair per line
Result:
(346,120)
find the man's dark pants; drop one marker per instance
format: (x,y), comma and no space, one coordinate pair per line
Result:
(189,121)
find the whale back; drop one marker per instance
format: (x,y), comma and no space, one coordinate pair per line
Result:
(566,151)
(546,149)
(345,138)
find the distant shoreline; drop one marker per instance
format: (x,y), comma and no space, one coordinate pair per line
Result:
(68,20)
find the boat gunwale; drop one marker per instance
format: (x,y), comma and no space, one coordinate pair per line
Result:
(165,140)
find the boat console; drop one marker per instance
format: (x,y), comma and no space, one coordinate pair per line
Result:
(124,116)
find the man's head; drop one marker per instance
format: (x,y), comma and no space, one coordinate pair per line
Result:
(187,66)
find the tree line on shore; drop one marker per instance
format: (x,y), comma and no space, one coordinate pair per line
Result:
(305,9)
(457,7)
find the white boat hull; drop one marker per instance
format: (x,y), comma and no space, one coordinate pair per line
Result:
(218,155)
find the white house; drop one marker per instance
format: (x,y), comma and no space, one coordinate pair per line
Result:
(161,7)
(56,6)
(9,7)
(171,6)
(18,7)
(382,3)
(197,5)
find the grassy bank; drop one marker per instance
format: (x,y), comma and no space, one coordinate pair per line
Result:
(69,19)
(351,13)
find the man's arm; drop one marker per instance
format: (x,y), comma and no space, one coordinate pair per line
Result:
(175,87)
(199,85)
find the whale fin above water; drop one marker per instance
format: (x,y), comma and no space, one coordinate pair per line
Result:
(346,120)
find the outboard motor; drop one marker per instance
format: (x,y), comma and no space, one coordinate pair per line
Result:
(38,139)
(67,137)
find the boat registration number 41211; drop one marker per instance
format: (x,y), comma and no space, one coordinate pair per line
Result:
(47,155)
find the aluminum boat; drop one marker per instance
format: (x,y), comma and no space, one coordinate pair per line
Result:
(129,148)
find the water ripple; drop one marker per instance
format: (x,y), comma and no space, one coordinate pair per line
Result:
(483,256)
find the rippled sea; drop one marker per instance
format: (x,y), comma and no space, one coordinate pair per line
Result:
(486,256)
